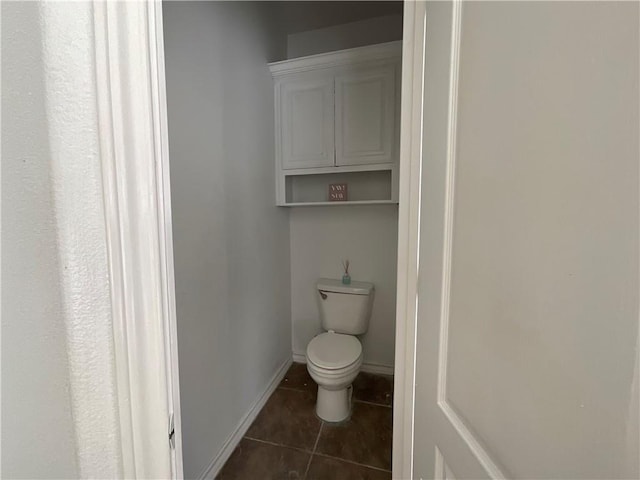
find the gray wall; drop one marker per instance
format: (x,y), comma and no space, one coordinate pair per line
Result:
(320,238)
(348,35)
(231,243)
(37,424)
(303,16)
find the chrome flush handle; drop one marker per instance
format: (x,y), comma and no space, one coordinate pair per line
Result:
(322,294)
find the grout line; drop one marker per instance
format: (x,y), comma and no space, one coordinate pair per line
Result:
(306,472)
(315,445)
(274,444)
(373,403)
(352,462)
(303,389)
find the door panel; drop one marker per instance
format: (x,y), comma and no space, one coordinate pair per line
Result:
(365,113)
(528,294)
(445,445)
(307,123)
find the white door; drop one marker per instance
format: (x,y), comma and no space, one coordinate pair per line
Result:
(307,126)
(524,336)
(365,116)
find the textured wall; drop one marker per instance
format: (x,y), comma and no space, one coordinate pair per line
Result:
(37,425)
(231,243)
(77,193)
(58,405)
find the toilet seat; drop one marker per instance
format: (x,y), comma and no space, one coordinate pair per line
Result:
(334,351)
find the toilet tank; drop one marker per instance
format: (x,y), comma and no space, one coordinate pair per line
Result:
(344,308)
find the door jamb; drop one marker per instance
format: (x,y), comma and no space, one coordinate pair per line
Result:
(414,37)
(166,228)
(413,50)
(132,126)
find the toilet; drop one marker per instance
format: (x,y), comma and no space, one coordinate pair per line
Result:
(334,358)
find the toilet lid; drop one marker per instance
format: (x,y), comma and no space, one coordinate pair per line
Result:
(334,350)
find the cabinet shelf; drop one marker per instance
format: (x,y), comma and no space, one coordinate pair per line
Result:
(339,169)
(340,204)
(364,187)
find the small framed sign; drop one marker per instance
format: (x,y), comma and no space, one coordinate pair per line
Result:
(338,192)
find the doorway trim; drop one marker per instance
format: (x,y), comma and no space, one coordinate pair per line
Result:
(134,148)
(413,50)
(132,126)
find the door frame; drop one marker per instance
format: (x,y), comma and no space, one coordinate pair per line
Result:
(412,106)
(132,126)
(166,235)
(139,189)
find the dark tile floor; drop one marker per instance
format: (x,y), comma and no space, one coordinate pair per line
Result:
(288,441)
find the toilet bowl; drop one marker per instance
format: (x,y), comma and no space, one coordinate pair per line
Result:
(334,361)
(334,358)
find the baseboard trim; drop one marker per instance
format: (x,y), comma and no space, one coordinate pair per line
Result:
(366,367)
(229,446)
(378,369)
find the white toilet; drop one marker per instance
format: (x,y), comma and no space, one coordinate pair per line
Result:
(334,358)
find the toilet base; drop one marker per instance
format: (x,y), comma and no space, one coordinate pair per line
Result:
(334,405)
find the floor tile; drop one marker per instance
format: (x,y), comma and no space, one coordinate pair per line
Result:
(288,418)
(252,459)
(298,378)
(365,439)
(373,388)
(323,468)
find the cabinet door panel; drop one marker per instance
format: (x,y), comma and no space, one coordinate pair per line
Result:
(307,123)
(365,114)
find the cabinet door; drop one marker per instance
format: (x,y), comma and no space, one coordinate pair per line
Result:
(307,126)
(365,116)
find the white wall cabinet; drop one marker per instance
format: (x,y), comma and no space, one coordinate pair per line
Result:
(365,116)
(307,122)
(338,113)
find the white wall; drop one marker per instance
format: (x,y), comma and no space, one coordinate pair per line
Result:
(37,424)
(323,236)
(231,243)
(59,416)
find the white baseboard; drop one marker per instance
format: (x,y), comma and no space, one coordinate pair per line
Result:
(366,367)
(377,369)
(229,446)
